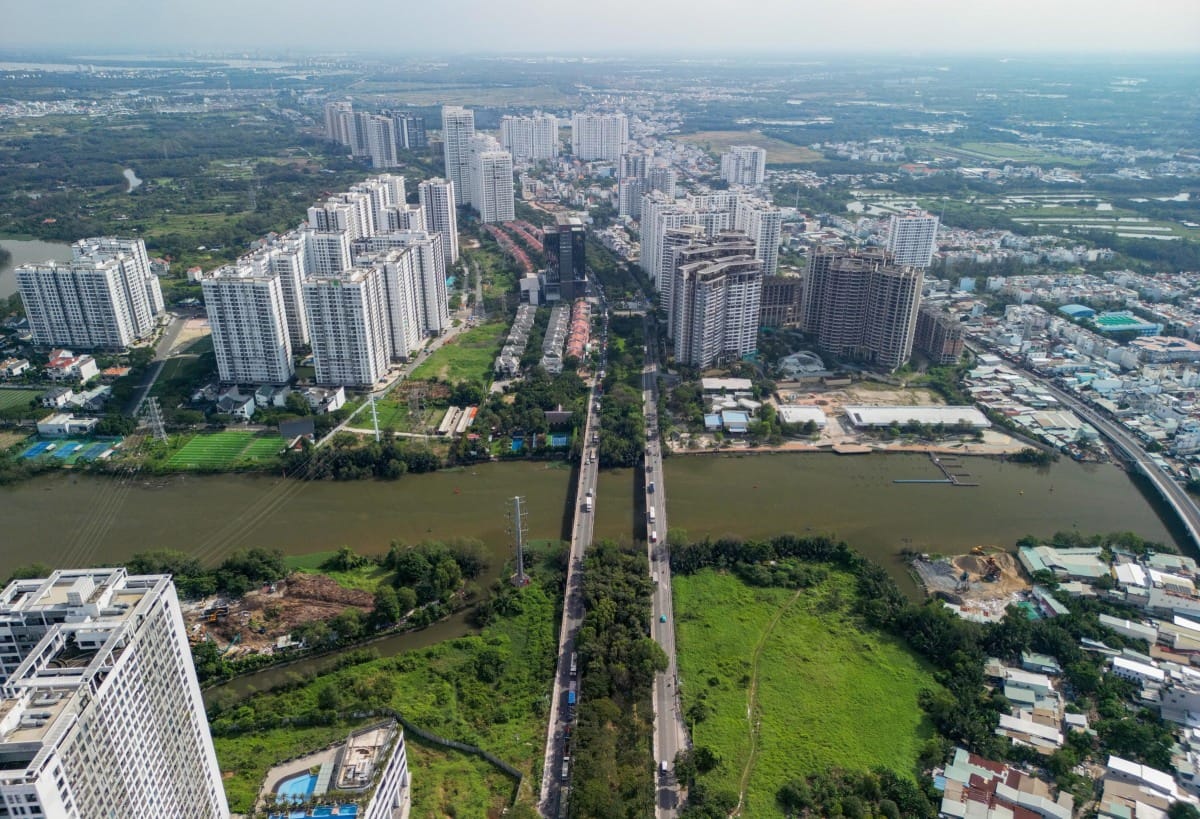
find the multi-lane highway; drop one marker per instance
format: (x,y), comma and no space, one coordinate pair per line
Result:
(670,732)
(556,765)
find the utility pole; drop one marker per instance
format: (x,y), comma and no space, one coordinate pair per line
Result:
(153,416)
(517,528)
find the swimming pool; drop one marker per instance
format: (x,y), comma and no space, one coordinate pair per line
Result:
(297,788)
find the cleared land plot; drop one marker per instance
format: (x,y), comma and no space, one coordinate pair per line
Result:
(17,399)
(1008,152)
(468,357)
(223,449)
(821,692)
(9,439)
(778,151)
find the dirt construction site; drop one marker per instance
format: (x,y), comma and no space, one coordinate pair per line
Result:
(988,578)
(254,624)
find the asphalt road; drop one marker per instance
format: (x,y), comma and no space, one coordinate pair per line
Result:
(161,350)
(670,732)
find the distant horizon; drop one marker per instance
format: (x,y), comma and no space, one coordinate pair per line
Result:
(639,26)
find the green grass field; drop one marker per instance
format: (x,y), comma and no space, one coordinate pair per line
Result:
(366,578)
(469,357)
(12,399)
(822,692)
(779,152)
(219,450)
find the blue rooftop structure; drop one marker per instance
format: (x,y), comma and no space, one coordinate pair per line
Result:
(1077,311)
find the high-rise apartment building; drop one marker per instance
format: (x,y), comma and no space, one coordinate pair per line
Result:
(287,258)
(661,178)
(349,324)
(565,244)
(939,335)
(717,300)
(673,239)
(106,297)
(530,139)
(859,305)
(327,251)
(248,315)
(458,129)
(762,222)
(438,203)
(430,262)
(101,711)
(912,238)
(410,132)
(632,165)
(599,136)
(629,197)
(744,165)
(491,173)
(338,123)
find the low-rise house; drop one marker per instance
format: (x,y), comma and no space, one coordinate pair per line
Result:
(1136,671)
(1130,628)
(325,399)
(1040,663)
(1071,564)
(66,366)
(57,397)
(1047,604)
(1132,791)
(235,404)
(13,367)
(65,425)
(979,788)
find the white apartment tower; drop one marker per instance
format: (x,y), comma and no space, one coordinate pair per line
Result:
(349,324)
(105,298)
(492,181)
(101,712)
(458,129)
(744,165)
(402,217)
(338,121)
(430,266)
(326,251)
(717,300)
(248,315)
(530,139)
(438,203)
(629,197)
(661,178)
(913,238)
(599,136)
(762,222)
(287,258)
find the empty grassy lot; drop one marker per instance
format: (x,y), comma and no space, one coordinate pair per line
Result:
(819,691)
(778,151)
(468,357)
(12,399)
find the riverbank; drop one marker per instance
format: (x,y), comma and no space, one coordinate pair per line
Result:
(993,444)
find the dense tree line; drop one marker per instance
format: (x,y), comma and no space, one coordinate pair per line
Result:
(237,574)
(612,773)
(855,795)
(346,458)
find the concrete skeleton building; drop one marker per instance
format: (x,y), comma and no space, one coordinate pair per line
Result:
(101,713)
(861,306)
(104,298)
(744,165)
(782,300)
(599,136)
(530,139)
(716,299)
(439,204)
(938,335)
(912,238)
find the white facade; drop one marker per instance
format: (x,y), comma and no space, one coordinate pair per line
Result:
(717,297)
(492,181)
(458,129)
(403,217)
(629,197)
(287,258)
(327,251)
(348,321)
(247,312)
(661,178)
(762,222)
(599,136)
(102,714)
(530,139)
(744,165)
(913,238)
(106,297)
(337,125)
(441,216)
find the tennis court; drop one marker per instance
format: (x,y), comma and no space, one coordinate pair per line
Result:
(70,450)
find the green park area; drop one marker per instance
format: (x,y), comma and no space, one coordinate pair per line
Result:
(16,404)
(224,450)
(820,690)
(469,356)
(779,152)
(490,691)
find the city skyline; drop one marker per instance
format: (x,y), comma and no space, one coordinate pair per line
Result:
(922,26)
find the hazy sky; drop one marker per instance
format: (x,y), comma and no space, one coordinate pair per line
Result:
(542,26)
